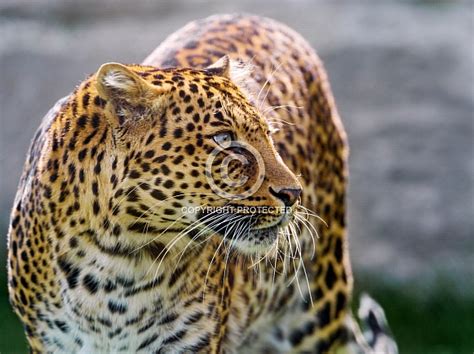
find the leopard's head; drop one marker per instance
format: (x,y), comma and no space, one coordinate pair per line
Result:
(197,158)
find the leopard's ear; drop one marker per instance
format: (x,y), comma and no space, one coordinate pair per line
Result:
(116,81)
(239,72)
(236,70)
(220,67)
(125,90)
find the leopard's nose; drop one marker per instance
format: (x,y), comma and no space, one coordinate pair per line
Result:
(288,196)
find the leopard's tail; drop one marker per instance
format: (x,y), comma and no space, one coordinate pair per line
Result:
(372,335)
(374,327)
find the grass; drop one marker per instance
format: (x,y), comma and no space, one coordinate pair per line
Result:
(437,322)
(12,338)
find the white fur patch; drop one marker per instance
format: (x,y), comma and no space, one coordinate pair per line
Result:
(240,72)
(118,80)
(241,75)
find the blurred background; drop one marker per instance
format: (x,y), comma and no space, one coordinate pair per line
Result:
(403,77)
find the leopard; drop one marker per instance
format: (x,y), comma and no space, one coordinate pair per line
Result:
(195,202)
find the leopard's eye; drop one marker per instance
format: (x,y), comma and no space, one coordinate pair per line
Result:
(223,139)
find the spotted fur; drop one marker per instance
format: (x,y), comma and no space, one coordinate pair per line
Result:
(98,260)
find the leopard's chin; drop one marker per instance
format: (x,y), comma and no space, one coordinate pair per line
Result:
(257,242)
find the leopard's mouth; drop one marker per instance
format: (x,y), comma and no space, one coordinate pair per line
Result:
(247,231)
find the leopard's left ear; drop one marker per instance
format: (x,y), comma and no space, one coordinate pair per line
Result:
(236,70)
(239,72)
(220,67)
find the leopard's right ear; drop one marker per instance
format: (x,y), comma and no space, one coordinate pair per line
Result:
(117,82)
(129,94)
